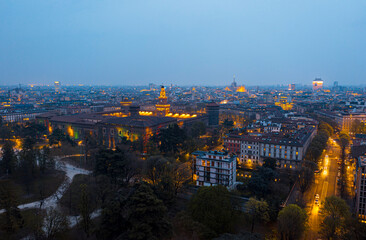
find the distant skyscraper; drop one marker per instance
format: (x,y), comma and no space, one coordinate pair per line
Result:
(57,86)
(317,84)
(291,87)
(233,84)
(335,84)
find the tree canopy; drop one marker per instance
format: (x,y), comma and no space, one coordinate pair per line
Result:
(212,207)
(291,222)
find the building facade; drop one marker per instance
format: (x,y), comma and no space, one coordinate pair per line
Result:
(214,168)
(361,188)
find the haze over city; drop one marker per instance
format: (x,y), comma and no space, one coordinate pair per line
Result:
(182,43)
(182,120)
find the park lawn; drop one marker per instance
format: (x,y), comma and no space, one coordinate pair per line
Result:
(42,187)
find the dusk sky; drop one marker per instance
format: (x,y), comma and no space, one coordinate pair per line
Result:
(190,42)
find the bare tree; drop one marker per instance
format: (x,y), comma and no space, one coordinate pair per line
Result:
(55,223)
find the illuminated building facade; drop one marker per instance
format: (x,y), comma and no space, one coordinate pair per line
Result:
(162,108)
(361,188)
(214,168)
(287,147)
(284,102)
(317,84)
(291,87)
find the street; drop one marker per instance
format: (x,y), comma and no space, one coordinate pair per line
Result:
(325,185)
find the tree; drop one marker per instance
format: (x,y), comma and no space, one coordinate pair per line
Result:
(120,165)
(257,210)
(171,139)
(85,210)
(260,180)
(55,224)
(212,207)
(147,215)
(198,129)
(292,222)
(326,127)
(358,127)
(8,202)
(181,173)
(155,167)
(305,178)
(270,163)
(113,222)
(28,163)
(46,162)
(9,160)
(335,211)
(344,142)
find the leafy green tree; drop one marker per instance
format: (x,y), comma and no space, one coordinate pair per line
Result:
(33,129)
(358,127)
(317,145)
(292,221)
(270,163)
(335,211)
(118,164)
(9,159)
(147,215)
(326,127)
(212,207)
(113,222)
(171,139)
(344,142)
(5,132)
(198,129)
(28,164)
(258,211)
(8,202)
(260,180)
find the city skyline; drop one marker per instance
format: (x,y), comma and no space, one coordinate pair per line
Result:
(191,43)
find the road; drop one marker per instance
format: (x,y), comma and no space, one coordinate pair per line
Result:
(325,185)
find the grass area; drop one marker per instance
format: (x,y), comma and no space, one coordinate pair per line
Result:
(71,200)
(40,188)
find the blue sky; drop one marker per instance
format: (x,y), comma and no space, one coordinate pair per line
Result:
(190,42)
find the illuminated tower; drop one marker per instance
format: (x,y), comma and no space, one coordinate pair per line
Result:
(317,84)
(57,87)
(162,108)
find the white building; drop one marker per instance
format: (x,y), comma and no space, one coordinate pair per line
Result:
(214,168)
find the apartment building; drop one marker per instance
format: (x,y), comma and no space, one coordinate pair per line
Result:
(214,168)
(361,188)
(288,147)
